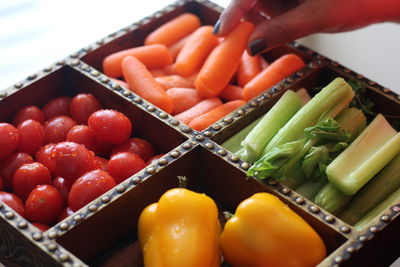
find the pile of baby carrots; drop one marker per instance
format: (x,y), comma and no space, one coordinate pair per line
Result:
(185,70)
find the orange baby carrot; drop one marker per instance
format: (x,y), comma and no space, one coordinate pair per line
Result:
(152,56)
(168,70)
(120,82)
(231,92)
(195,50)
(205,120)
(174,30)
(183,98)
(222,63)
(198,109)
(278,70)
(248,68)
(142,83)
(171,81)
(177,47)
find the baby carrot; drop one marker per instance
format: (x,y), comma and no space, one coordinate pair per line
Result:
(198,109)
(183,98)
(248,68)
(231,92)
(278,70)
(195,50)
(120,82)
(171,81)
(152,56)
(168,70)
(222,63)
(205,120)
(177,47)
(142,83)
(174,30)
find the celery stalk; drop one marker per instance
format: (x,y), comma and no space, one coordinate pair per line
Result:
(327,103)
(365,157)
(391,200)
(310,188)
(269,125)
(331,199)
(373,193)
(233,143)
(304,96)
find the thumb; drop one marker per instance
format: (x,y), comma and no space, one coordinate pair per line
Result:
(289,26)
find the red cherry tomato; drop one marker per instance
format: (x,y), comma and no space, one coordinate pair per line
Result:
(81,134)
(56,107)
(136,145)
(72,160)
(10,165)
(63,186)
(41,227)
(44,156)
(44,205)
(9,138)
(56,128)
(102,163)
(82,105)
(110,126)
(88,187)
(65,213)
(123,165)
(31,136)
(154,159)
(28,176)
(14,202)
(29,113)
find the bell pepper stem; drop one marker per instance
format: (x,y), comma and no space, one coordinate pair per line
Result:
(227,215)
(182,181)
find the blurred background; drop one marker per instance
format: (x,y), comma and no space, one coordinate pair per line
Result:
(36,33)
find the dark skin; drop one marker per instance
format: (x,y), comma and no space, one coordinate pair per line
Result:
(279,21)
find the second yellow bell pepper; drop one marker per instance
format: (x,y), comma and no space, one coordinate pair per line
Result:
(181,230)
(265,232)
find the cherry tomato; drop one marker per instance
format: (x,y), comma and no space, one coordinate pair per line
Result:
(88,187)
(56,128)
(28,176)
(154,159)
(9,138)
(31,136)
(65,213)
(63,186)
(10,165)
(29,113)
(14,202)
(81,134)
(1,184)
(41,227)
(44,205)
(44,156)
(72,160)
(124,164)
(56,107)
(102,163)
(110,126)
(82,105)
(136,145)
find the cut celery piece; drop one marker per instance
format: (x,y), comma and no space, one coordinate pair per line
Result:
(233,143)
(393,199)
(310,188)
(365,157)
(331,199)
(373,193)
(304,96)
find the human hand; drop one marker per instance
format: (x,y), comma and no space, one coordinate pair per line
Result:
(281,21)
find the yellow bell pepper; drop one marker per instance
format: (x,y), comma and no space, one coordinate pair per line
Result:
(181,230)
(265,232)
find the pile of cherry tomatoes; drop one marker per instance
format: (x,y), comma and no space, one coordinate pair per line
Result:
(56,159)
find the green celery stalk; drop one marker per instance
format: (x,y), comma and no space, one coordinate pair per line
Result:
(310,188)
(393,199)
(331,199)
(365,157)
(327,103)
(269,125)
(233,143)
(373,193)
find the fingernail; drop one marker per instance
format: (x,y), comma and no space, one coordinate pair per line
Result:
(216,27)
(257,46)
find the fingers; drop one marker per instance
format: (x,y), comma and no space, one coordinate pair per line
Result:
(231,16)
(289,26)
